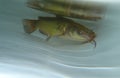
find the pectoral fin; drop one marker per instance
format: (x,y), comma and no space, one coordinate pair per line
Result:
(48,38)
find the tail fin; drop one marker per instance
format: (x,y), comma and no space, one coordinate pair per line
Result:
(29,25)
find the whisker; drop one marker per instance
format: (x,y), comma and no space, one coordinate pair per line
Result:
(94,42)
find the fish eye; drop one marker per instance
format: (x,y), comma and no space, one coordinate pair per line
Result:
(88,31)
(80,32)
(42,5)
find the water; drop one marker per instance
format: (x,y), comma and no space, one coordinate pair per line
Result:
(23,55)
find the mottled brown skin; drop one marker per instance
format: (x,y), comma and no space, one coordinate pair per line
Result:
(60,27)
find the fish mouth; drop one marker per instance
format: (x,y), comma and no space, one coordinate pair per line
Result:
(90,38)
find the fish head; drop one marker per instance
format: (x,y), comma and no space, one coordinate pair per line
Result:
(87,34)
